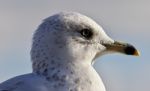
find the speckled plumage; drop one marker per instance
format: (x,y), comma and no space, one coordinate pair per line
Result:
(61,57)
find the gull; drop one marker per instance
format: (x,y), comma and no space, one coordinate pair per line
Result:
(64,49)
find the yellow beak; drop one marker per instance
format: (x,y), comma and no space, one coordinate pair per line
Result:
(121,47)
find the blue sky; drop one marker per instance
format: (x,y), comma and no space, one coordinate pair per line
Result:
(125,20)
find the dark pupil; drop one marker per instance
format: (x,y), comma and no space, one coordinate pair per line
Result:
(86,33)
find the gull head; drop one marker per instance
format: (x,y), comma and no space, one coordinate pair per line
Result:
(73,37)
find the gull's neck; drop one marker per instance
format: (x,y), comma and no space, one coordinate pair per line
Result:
(51,66)
(48,59)
(61,69)
(69,74)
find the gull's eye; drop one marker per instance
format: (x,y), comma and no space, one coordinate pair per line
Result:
(86,33)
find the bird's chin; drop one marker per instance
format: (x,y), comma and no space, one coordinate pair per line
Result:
(97,56)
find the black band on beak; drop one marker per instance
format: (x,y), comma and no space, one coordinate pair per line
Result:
(130,50)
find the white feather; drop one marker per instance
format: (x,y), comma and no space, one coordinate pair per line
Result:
(61,57)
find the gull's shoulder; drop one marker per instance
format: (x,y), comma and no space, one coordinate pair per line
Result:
(27,82)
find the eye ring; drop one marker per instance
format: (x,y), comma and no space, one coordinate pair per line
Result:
(86,33)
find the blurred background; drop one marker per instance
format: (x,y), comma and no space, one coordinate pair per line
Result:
(125,20)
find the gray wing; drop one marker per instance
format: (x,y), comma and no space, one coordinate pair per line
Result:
(14,86)
(28,82)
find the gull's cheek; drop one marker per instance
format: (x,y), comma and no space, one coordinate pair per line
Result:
(99,50)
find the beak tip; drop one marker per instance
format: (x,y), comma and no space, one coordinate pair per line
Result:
(136,53)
